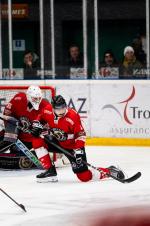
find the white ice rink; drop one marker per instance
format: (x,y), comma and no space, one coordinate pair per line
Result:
(69,202)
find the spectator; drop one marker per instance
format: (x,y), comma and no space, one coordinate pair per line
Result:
(75,57)
(130,64)
(144,44)
(138,50)
(109,66)
(31,64)
(75,63)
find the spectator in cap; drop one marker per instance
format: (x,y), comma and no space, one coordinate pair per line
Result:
(130,64)
(128,49)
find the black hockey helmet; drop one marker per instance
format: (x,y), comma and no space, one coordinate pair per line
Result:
(58,102)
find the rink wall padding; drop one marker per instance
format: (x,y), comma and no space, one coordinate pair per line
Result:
(113,112)
(106,141)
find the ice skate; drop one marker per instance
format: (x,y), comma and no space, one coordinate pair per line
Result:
(49,175)
(114,171)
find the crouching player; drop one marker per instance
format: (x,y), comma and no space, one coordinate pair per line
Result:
(28,109)
(67,131)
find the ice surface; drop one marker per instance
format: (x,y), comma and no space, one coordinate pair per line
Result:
(60,204)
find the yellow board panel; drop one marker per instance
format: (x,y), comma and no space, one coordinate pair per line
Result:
(106,141)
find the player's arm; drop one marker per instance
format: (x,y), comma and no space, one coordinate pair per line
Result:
(79,137)
(47,114)
(38,126)
(11,108)
(11,124)
(8,110)
(79,133)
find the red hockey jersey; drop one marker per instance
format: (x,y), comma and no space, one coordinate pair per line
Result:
(18,108)
(72,126)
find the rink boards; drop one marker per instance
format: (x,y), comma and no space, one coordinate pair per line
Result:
(113,112)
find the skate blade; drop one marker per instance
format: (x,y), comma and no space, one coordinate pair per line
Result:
(47,179)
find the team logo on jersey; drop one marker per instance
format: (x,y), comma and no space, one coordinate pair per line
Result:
(25,124)
(126,102)
(59,134)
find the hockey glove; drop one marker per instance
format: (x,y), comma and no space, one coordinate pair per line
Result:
(59,134)
(24,124)
(36,128)
(78,154)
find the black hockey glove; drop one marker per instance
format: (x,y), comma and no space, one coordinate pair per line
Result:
(24,124)
(36,128)
(78,154)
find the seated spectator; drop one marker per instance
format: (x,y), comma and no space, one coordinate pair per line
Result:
(109,66)
(138,50)
(75,57)
(31,64)
(130,65)
(143,41)
(75,63)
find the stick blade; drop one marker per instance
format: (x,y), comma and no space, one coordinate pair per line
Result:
(128,180)
(133,178)
(22,207)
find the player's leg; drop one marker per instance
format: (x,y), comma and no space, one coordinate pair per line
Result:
(112,170)
(50,174)
(58,157)
(80,170)
(84,174)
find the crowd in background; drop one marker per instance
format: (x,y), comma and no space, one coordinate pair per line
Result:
(131,66)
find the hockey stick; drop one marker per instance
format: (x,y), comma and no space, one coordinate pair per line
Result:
(20,146)
(28,153)
(128,180)
(5,148)
(20,205)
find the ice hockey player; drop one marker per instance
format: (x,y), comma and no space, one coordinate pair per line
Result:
(28,109)
(67,131)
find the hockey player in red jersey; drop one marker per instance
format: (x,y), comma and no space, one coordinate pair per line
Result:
(29,109)
(67,131)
